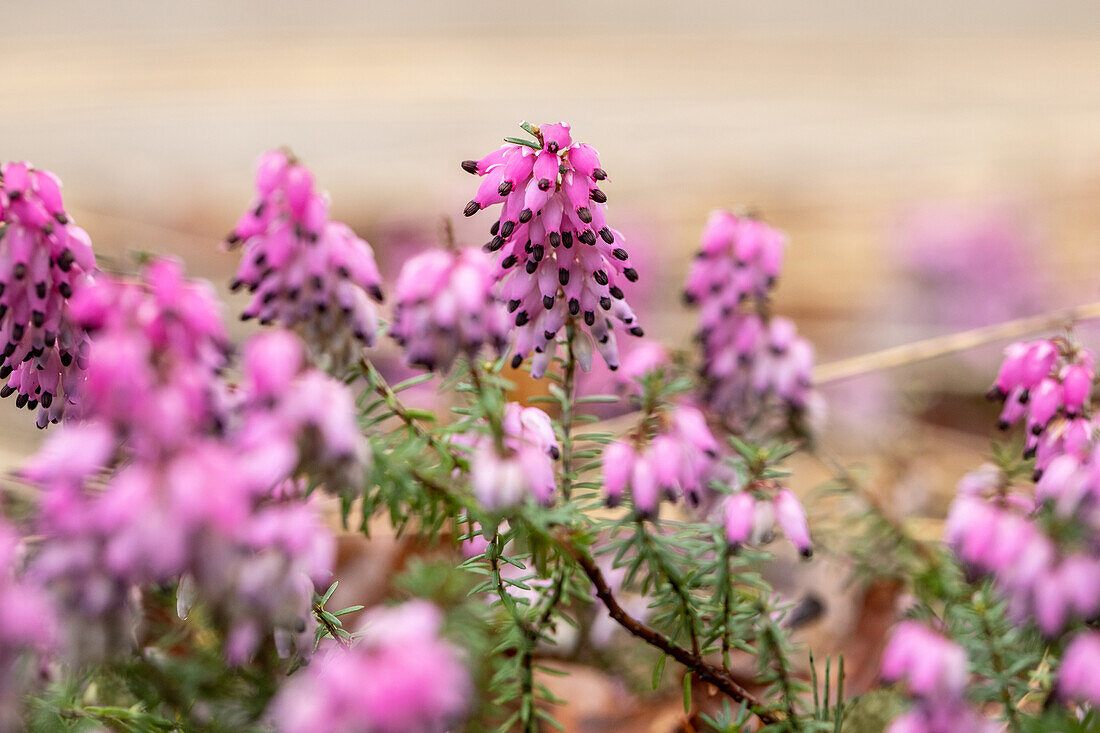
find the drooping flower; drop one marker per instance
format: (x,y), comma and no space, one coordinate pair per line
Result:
(1048,383)
(519,463)
(750,516)
(558,257)
(305,271)
(44,259)
(446,307)
(674,462)
(751,362)
(401,676)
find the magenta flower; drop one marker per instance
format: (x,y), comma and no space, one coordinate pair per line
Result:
(1047,383)
(559,258)
(400,677)
(44,259)
(750,516)
(1077,678)
(446,308)
(931,665)
(304,270)
(675,463)
(520,464)
(750,362)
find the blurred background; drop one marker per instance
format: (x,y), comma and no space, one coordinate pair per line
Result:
(937,165)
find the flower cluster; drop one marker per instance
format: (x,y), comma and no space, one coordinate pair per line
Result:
(749,359)
(1047,575)
(182,488)
(1077,679)
(28,627)
(750,516)
(676,463)
(1047,383)
(304,270)
(400,676)
(446,307)
(558,256)
(44,260)
(518,462)
(935,672)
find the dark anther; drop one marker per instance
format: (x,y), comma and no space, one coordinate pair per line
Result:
(563,275)
(599,174)
(637,331)
(531,266)
(504,188)
(506,229)
(38,319)
(587,237)
(66,358)
(548,301)
(539,251)
(522,318)
(7,391)
(20,271)
(544,183)
(584,214)
(508,261)
(40,290)
(470,166)
(495,228)
(601,277)
(631,274)
(47,399)
(525,216)
(620,254)
(605,303)
(555,238)
(574,306)
(471,208)
(567,239)
(589,317)
(516,361)
(616,292)
(512,305)
(495,244)
(65,260)
(598,196)
(607,235)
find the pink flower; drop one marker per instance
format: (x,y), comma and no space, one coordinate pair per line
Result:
(752,363)
(521,466)
(1077,675)
(675,463)
(168,474)
(304,270)
(645,358)
(27,627)
(559,258)
(931,665)
(44,260)
(400,677)
(446,308)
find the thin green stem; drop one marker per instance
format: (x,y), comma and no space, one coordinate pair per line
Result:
(569,396)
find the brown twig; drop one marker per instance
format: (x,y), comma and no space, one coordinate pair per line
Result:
(701,668)
(932,348)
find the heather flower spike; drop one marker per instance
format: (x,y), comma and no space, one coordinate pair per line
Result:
(750,360)
(559,259)
(446,307)
(44,260)
(304,270)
